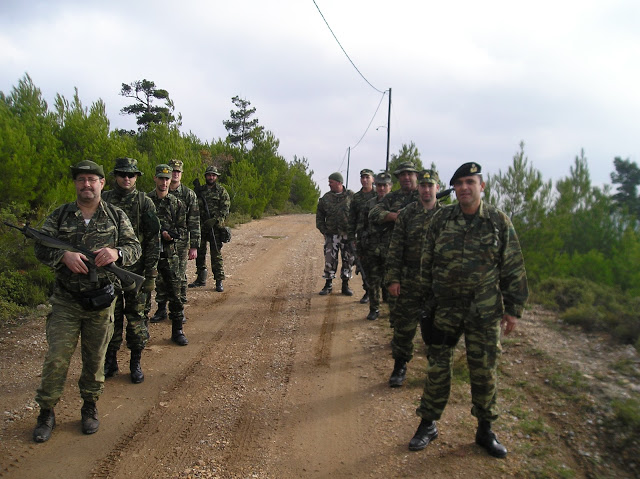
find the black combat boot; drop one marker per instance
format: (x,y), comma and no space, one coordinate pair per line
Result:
(161,313)
(137,376)
(487,439)
(365,298)
(327,288)
(345,288)
(219,287)
(373,315)
(111,363)
(177,336)
(201,280)
(44,426)
(89,414)
(427,432)
(399,373)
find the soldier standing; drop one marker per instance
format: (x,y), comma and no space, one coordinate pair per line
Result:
(356,218)
(403,271)
(91,223)
(374,241)
(212,217)
(188,244)
(475,280)
(386,212)
(332,219)
(173,226)
(142,213)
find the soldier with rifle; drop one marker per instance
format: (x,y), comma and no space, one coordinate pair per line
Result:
(214,203)
(173,226)
(83,300)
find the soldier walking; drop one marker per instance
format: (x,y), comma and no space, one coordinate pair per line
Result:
(213,203)
(374,241)
(357,211)
(187,245)
(403,271)
(142,213)
(83,297)
(332,219)
(475,280)
(173,226)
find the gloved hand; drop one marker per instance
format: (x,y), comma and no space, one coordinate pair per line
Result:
(211,223)
(148,285)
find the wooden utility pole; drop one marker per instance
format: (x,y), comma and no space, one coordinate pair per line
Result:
(388,130)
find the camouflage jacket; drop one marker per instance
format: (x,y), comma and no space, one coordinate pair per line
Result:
(190,201)
(392,203)
(332,215)
(142,214)
(173,216)
(109,227)
(357,210)
(375,237)
(477,260)
(218,203)
(405,247)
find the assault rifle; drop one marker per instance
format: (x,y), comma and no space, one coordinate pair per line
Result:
(130,281)
(198,189)
(443,193)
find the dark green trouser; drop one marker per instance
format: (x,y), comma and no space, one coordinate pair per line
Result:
(66,323)
(482,340)
(131,305)
(217,264)
(405,317)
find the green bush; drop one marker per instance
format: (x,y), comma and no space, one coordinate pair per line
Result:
(25,288)
(9,312)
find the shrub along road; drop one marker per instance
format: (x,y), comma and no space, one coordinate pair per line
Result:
(278,381)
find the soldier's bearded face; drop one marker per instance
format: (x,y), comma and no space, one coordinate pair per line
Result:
(335,186)
(408,180)
(210,178)
(88,187)
(382,189)
(428,192)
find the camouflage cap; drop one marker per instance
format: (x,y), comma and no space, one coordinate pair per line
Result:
(336,177)
(127,165)
(176,165)
(87,166)
(468,169)
(405,166)
(163,171)
(367,171)
(428,176)
(212,170)
(383,178)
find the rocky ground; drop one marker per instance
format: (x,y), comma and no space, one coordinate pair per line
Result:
(278,382)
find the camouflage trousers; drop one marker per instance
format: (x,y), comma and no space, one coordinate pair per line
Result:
(334,244)
(66,323)
(482,341)
(405,315)
(132,306)
(162,293)
(217,264)
(374,270)
(169,281)
(361,256)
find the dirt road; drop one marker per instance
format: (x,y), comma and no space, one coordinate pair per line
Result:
(276,382)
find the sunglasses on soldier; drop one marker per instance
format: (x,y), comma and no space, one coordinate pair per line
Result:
(122,174)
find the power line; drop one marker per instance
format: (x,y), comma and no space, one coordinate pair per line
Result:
(343,50)
(372,118)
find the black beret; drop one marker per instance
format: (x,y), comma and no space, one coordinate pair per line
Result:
(468,169)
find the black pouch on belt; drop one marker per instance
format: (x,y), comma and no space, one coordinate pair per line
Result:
(97,299)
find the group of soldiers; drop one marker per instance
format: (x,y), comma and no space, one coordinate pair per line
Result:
(454,269)
(152,235)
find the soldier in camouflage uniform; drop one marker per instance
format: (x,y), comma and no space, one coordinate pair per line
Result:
(476,284)
(374,240)
(212,228)
(188,244)
(173,224)
(142,214)
(104,229)
(332,219)
(386,212)
(356,219)
(403,271)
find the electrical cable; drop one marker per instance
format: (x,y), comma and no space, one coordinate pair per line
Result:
(372,118)
(343,50)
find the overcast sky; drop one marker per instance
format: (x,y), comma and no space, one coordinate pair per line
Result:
(469,79)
